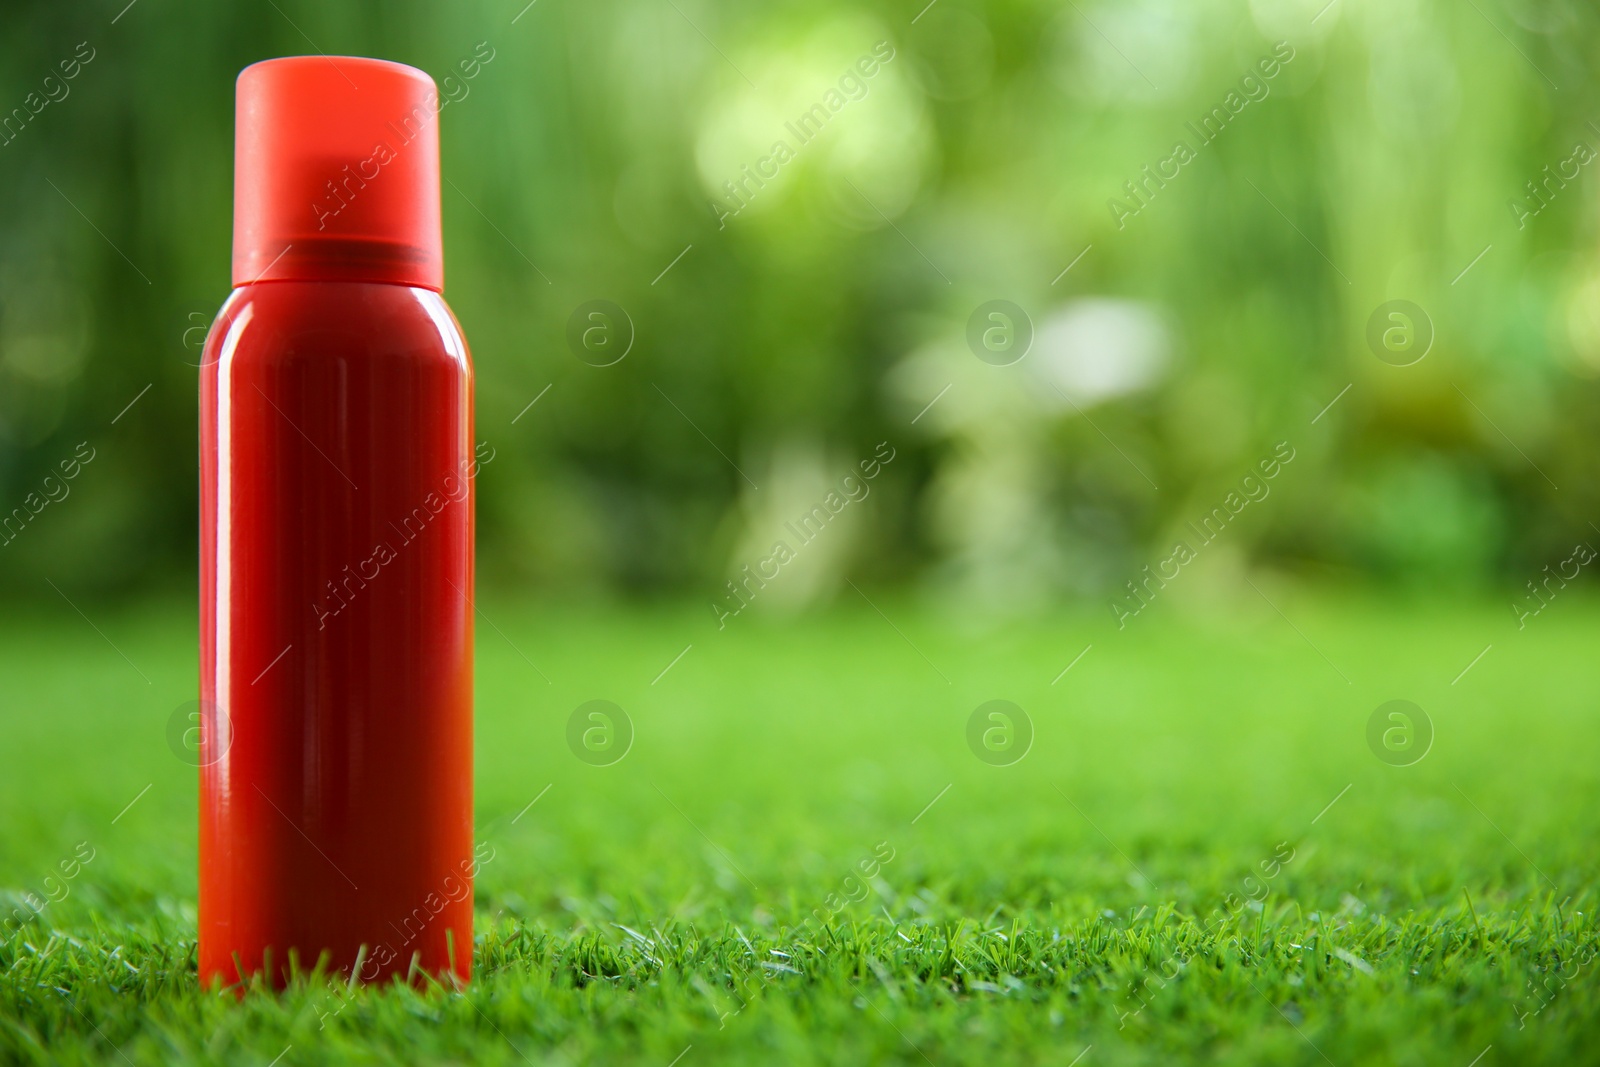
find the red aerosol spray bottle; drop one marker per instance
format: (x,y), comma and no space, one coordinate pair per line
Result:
(336,474)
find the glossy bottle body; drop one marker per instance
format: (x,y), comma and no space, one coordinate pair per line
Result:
(337,471)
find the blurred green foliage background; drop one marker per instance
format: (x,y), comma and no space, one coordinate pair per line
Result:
(1389,158)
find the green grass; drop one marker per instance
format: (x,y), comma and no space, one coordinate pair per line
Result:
(1092,894)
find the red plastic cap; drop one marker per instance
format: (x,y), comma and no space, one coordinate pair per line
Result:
(336,173)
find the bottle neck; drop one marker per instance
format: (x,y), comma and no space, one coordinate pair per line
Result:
(320,258)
